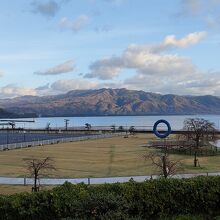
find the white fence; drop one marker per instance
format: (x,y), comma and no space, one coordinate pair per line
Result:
(56,141)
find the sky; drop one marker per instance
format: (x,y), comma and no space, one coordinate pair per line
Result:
(50,47)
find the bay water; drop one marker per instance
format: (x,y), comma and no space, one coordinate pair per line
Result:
(147,122)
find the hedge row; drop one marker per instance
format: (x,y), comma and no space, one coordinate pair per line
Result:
(154,199)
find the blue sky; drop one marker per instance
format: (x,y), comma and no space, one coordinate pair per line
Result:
(53,46)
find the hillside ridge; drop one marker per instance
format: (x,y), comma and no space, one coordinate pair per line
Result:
(104,101)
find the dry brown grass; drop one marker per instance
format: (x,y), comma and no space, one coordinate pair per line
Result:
(116,156)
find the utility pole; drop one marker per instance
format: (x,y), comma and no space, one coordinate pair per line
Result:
(66,123)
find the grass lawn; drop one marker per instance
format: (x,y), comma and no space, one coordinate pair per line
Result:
(116,156)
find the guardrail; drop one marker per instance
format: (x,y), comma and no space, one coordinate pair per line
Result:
(56,141)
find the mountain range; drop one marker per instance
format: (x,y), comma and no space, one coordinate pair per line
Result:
(109,102)
(5,114)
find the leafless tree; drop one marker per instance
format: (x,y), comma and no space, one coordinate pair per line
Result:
(164,164)
(88,126)
(199,132)
(38,168)
(113,128)
(121,128)
(132,130)
(48,128)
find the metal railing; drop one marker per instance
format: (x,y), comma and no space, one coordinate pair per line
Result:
(56,141)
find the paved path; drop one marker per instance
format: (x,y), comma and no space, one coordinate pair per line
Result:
(54,181)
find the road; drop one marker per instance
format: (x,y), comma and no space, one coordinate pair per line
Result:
(56,181)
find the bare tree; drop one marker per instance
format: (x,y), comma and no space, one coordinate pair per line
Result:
(199,132)
(113,128)
(88,126)
(132,130)
(164,164)
(48,128)
(121,128)
(38,168)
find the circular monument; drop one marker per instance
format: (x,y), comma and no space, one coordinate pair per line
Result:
(162,134)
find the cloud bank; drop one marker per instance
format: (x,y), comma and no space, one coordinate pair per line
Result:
(147,59)
(156,68)
(11,90)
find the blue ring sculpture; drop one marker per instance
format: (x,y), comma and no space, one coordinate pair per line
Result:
(162,135)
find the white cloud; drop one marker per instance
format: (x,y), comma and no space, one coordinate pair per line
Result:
(192,38)
(158,70)
(1,73)
(208,83)
(105,68)
(74,25)
(66,67)
(11,90)
(71,84)
(197,84)
(148,59)
(59,86)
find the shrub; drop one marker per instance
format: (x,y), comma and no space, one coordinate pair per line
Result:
(153,199)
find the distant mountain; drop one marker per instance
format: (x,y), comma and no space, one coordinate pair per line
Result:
(111,102)
(5,114)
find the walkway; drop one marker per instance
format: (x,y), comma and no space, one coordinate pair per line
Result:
(54,181)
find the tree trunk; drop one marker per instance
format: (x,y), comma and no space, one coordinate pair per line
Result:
(35,182)
(195,159)
(195,153)
(165,174)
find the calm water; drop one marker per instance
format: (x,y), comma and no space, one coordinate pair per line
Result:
(142,121)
